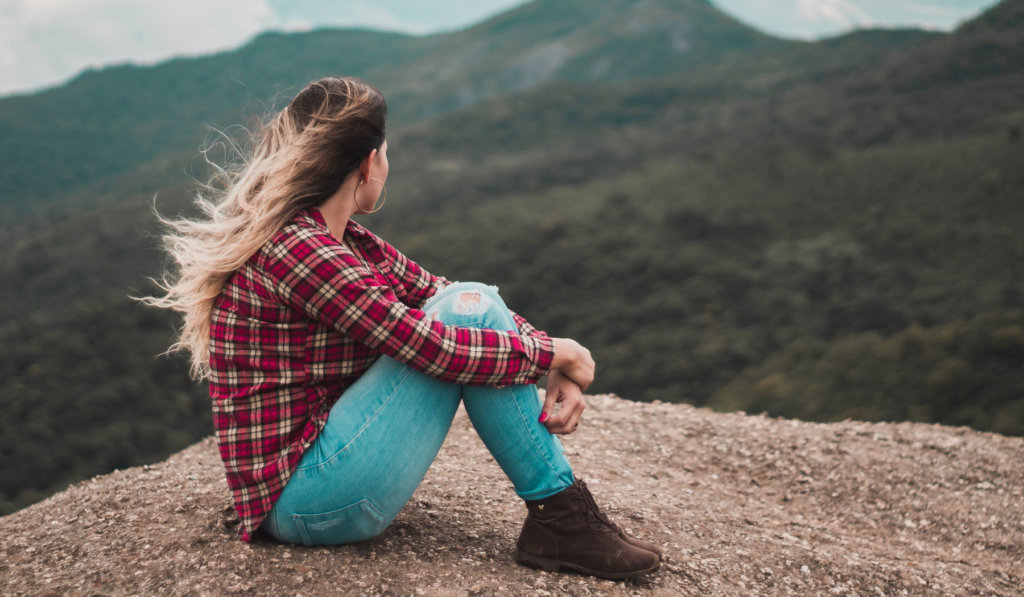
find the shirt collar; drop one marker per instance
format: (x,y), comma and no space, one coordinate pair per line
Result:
(352,228)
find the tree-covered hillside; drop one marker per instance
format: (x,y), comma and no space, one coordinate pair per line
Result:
(822,230)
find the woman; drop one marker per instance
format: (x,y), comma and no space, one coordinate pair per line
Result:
(336,364)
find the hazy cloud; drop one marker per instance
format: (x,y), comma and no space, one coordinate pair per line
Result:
(45,41)
(844,13)
(410,16)
(319,13)
(931,13)
(816,18)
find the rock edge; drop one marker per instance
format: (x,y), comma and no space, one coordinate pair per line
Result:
(742,505)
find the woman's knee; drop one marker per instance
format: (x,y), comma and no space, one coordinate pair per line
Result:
(469,303)
(467,291)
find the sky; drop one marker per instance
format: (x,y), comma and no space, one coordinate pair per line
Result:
(46,42)
(809,19)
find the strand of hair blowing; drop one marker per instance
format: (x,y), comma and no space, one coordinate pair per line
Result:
(299,159)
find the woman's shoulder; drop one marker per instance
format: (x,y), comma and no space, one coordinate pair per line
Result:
(300,240)
(303,228)
(306,237)
(307,222)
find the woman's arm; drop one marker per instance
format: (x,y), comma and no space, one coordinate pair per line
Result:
(419,284)
(312,274)
(572,371)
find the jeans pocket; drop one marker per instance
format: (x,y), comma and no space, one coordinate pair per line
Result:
(357,522)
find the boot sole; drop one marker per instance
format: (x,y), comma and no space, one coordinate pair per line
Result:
(549,565)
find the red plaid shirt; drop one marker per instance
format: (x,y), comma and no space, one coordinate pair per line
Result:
(303,319)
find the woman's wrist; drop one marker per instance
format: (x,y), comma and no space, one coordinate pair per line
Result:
(565,353)
(574,361)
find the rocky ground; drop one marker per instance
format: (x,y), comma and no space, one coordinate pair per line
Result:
(742,505)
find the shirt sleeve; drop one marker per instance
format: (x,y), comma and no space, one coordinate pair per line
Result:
(418,284)
(312,274)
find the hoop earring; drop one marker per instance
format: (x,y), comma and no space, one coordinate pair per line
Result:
(382,198)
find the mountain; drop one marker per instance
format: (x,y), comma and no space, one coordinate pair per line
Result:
(825,229)
(110,121)
(571,40)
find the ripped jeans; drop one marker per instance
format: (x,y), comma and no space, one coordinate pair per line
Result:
(386,429)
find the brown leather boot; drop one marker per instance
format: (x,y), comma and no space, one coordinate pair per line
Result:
(625,536)
(568,530)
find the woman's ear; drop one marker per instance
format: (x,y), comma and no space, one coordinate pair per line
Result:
(364,166)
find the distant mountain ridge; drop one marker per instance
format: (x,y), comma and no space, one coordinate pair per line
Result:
(575,40)
(115,119)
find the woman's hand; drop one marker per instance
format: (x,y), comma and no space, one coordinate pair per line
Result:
(562,390)
(574,361)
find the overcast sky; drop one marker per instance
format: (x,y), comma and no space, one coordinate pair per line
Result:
(44,42)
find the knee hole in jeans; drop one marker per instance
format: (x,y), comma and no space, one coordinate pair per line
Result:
(470,304)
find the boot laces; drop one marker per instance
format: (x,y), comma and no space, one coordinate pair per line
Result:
(599,521)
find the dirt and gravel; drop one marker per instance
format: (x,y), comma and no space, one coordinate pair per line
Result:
(743,505)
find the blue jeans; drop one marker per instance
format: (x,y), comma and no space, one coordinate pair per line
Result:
(386,429)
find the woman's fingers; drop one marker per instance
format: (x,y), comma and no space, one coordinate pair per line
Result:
(549,404)
(569,415)
(568,393)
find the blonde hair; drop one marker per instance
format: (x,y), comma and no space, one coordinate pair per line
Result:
(298,159)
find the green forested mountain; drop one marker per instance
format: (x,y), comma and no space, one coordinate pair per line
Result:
(823,230)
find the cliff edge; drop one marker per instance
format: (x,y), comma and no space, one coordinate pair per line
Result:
(742,504)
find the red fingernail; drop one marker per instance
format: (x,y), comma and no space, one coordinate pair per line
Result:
(543,417)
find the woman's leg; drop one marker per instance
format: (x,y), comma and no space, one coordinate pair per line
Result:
(384,432)
(377,445)
(564,527)
(505,418)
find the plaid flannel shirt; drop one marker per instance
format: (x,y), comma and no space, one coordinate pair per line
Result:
(303,319)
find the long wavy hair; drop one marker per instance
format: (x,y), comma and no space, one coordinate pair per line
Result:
(297,159)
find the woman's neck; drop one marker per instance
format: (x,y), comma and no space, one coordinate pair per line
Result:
(340,207)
